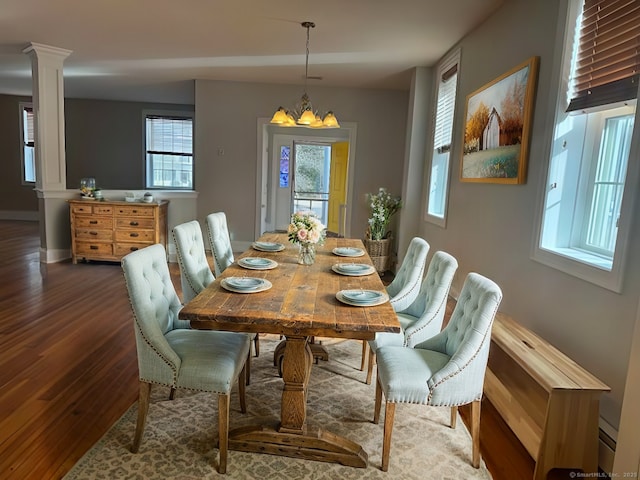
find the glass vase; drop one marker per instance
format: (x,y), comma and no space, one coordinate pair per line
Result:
(306,254)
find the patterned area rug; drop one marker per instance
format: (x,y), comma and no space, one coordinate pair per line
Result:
(180,435)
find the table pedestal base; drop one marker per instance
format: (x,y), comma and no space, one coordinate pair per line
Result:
(318,445)
(318,351)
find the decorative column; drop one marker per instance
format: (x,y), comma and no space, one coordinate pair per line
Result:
(48,108)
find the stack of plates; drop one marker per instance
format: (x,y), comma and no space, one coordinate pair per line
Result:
(257,263)
(353,269)
(362,298)
(348,252)
(245,284)
(268,246)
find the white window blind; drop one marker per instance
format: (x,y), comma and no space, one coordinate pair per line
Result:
(444,110)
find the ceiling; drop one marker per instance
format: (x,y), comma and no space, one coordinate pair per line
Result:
(134,50)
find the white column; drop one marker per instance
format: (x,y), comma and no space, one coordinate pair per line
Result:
(48,107)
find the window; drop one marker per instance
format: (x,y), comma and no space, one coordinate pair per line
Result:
(586,214)
(443,130)
(169,151)
(28,157)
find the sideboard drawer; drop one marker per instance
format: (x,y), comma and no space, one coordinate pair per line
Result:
(83,221)
(97,235)
(124,248)
(96,249)
(135,222)
(135,211)
(146,236)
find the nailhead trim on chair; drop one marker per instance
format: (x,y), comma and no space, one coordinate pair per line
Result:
(438,310)
(484,339)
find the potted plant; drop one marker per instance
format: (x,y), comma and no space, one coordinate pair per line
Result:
(382,206)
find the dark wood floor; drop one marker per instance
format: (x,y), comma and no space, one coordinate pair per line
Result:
(68,367)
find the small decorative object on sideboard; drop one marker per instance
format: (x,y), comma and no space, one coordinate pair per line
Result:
(382,206)
(87,187)
(147,198)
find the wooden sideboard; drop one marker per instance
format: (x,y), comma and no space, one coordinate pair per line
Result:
(108,230)
(550,402)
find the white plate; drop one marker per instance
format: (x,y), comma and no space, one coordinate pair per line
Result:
(268,246)
(245,284)
(353,269)
(257,263)
(348,252)
(362,298)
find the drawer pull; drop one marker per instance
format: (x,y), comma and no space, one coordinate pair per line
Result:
(133,224)
(133,249)
(134,235)
(93,222)
(93,247)
(134,211)
(93,233)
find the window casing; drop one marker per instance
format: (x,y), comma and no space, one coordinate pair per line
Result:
(169,151)
(588,195)
(447,75)
(27,139)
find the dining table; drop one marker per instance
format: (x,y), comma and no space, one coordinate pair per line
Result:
(298,302)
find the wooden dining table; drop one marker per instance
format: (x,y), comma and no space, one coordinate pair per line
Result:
(301,304)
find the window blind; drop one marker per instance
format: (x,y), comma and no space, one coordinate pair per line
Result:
(28,126)
(444,110)
(169,135)
(607,59)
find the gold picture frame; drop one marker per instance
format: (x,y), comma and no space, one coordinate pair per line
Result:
(497,127)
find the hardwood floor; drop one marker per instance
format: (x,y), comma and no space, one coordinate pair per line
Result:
(68,367)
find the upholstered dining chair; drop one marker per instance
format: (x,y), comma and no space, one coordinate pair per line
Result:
(220,244)
(195,273)
(219,241)
(170,353)
(405,286)
(423,318)
(446,370)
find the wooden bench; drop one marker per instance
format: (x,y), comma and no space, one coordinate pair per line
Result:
(550,402)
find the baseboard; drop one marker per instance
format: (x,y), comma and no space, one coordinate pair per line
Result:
(54,256)
(606,450)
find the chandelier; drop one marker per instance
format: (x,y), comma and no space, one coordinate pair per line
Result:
(303,114)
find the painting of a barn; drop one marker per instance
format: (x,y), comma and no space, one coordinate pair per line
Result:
(496,132)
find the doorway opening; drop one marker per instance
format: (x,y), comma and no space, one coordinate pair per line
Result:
(303,169)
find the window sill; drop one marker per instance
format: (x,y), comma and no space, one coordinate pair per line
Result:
(586,266)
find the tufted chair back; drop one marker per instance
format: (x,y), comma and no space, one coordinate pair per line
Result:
(430,305)
(465,340)
(446,370)
(219,241)
(195,273)
(423,318)
(155,306)
(406,285)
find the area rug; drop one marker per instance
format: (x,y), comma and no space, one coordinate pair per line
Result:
(180,435)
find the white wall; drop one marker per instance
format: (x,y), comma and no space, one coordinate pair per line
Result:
(490,226)
(226,144)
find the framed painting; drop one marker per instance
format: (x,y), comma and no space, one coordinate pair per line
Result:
(497,127)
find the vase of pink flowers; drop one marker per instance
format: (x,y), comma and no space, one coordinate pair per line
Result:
(307,231)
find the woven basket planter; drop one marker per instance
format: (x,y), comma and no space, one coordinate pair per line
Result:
(379,252)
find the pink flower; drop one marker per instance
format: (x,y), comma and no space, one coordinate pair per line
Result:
(303,234)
